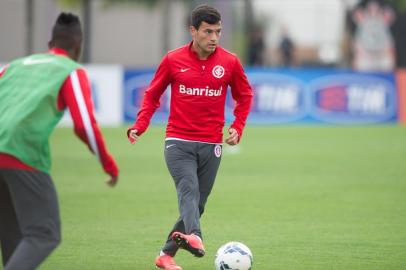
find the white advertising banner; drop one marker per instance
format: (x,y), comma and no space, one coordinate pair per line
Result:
(107,84)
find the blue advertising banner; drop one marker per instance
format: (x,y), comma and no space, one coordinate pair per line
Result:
(322,96)
(293,95)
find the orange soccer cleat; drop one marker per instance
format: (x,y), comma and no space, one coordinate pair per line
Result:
(166,262)
(190,242)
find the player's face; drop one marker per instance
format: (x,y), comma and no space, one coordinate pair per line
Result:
(206,38)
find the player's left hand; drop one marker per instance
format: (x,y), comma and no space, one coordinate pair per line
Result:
(112,181)
(233,139)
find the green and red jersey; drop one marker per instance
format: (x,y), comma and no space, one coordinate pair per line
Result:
(34,92)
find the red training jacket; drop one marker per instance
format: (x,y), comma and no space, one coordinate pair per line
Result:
(198,94)
(71,96)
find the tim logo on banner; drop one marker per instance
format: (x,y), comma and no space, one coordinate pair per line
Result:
(353,99)
(278,98)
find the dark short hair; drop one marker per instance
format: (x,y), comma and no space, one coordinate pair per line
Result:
(67,31)
(204,13)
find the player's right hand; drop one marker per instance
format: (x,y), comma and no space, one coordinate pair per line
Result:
(132,135)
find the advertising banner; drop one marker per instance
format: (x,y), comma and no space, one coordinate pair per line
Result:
(323,96)
(294,96)
(281,96)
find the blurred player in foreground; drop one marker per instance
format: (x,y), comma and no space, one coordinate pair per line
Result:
(199,74)
(34,92)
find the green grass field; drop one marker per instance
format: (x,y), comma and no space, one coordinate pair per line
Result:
(301,197)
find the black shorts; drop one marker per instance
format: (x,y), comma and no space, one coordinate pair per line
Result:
(28,208)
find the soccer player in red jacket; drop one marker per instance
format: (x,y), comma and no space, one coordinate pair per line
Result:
(34,92)
(199,74)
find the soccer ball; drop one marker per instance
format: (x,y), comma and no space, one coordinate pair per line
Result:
(233,256)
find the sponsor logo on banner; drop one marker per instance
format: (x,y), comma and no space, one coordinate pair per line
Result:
(278,98)
(353,98)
